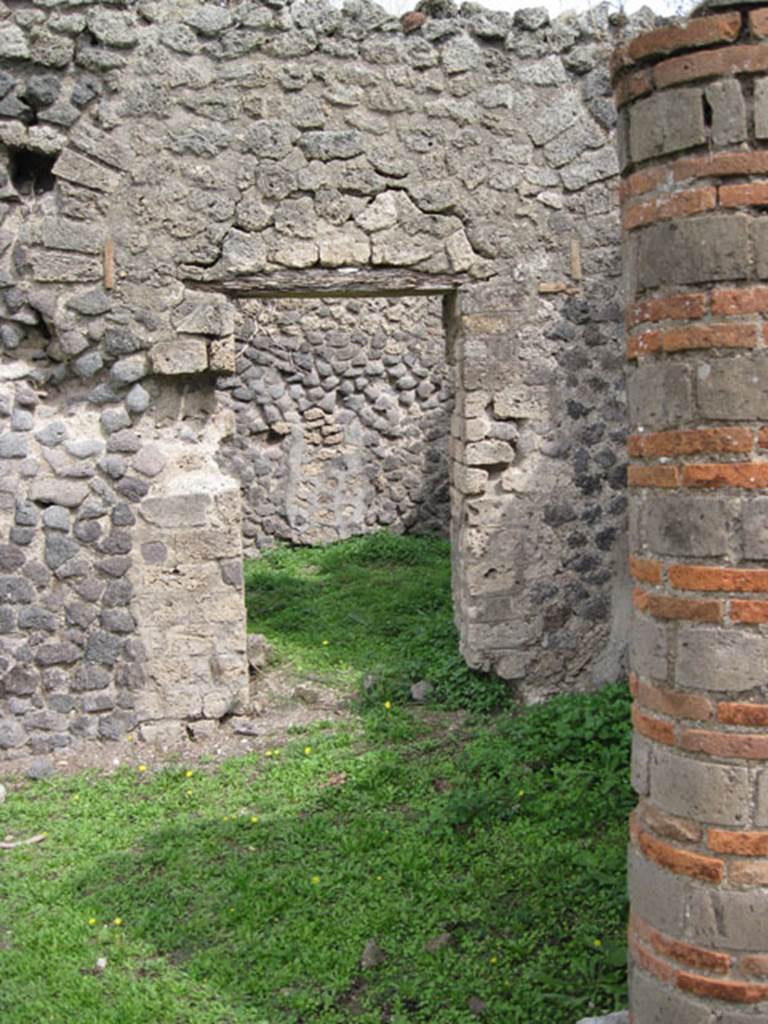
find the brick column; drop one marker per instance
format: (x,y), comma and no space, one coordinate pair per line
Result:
(693,102)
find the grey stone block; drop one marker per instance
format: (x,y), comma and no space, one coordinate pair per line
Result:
(729,114)
(14,590)
(733,388)
(58,550)
(660,394)
(640,765)
(84,447)
(64,653)
(124,442)
(118,620)
(116,725)
(21,535)
(656,1002)
(686,525)
(648,653)
(80,613)
(80,170)
(137,399)
(52,267)
(13,42)
(755,525)
(113,420)
(13,446)
(729,919)
(658,895)
(113,28)
(132,488)
(70,493)
(12,734)
(91,303)
(760,238)
(21,680)
(22,419)
(37,619)
(26,514)
(96,702)
(713,247)
(11,558)
(63,703)
(130,369)
(713,793)
(56,517)
(190,354)
(761,108)
(52,435)
(88,364)
(321,145)
(761,800)
(725,659)
(665,123)
(177,511)
(122,515)
(70,235)
(91,677)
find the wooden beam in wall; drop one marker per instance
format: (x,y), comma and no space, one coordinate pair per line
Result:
(341,284)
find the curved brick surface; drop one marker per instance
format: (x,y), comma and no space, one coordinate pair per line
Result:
(693,105)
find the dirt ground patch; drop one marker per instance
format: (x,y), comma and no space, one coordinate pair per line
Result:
(286,703)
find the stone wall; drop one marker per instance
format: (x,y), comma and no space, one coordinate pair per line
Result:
(693,124)
(343,419)
(166,163)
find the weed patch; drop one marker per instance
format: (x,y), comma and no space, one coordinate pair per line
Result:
(432,876)
(376,606)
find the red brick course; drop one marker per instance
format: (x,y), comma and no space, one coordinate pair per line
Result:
(711,578)
(718,28)
(675,703)
(676,859)
(748,58)
(691,442)
(664,606)
(653,476)
(738,713)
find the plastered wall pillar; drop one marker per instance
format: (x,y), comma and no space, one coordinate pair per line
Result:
(693,103)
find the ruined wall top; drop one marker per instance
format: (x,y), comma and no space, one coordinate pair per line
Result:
(221,145)
(161,160)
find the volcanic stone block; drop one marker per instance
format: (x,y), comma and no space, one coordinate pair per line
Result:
(691,525)
(713,793)
(721,659)
(666,122)
(702,249)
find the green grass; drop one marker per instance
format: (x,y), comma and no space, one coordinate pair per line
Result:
(484,855)
(370,606)
(509,841)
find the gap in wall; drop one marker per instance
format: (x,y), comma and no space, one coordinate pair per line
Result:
(343,411)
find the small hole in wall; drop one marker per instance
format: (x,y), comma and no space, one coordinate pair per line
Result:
(707,111)
(29,116)
(31,173)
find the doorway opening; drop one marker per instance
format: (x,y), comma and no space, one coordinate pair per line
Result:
(343,409)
